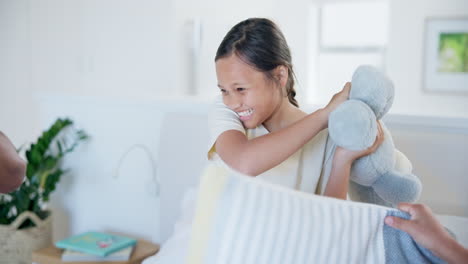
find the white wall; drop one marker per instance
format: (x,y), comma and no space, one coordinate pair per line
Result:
(217,17)
(405,58)
(114,48)
(431,128)
(138,49)
(435,136)
(132,173)
(438,150)
(16,102)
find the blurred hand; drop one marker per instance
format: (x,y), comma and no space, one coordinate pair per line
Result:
(12,166)
(423,226)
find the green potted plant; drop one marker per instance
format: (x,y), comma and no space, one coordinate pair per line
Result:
(25,222)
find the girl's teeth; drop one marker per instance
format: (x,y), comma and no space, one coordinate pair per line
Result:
(246,113)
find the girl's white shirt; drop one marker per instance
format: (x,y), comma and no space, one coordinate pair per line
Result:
(302,170)
(309,166)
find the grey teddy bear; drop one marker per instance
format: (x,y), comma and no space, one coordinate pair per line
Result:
(383,177)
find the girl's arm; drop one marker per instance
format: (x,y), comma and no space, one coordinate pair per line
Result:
(255,156)
(337,185)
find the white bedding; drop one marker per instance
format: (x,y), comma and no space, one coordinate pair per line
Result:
(458,225)
(174,250)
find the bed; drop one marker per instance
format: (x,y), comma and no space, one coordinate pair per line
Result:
(175,249)
(176,226)
(177,135)
(369,243)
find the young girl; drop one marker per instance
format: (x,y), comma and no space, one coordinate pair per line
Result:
(257,128)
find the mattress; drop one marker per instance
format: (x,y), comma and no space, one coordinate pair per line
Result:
(457,225)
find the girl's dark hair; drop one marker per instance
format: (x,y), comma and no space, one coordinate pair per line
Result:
(260,43)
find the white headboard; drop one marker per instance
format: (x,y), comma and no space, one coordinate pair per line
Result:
(105,191)
(182,157)
(112,185)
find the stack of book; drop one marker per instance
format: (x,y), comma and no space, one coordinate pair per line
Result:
(96,246)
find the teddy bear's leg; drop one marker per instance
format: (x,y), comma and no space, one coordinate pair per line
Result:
(365,194)
(396,187)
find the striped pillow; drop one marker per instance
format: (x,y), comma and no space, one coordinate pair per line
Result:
(241,219)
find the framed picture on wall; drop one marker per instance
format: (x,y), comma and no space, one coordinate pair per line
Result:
(446,55)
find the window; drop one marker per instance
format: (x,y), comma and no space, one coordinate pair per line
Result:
(343,36)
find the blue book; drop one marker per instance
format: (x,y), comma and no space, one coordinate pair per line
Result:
(96,243)
(76,256)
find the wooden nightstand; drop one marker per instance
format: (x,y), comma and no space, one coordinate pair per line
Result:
(52,255)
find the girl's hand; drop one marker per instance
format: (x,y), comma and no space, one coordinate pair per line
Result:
(348,156)
(338,98)
(343,159)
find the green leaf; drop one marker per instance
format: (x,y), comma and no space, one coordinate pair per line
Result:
(49,162)
(51,183)
(59,146)
(35,156)
(42,171)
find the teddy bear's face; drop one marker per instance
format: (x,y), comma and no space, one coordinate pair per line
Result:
(353,125)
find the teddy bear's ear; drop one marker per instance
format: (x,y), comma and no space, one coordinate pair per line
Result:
(372,87)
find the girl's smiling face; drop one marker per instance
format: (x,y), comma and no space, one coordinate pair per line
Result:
(247,91)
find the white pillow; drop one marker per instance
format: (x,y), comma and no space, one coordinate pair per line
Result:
(241,219)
